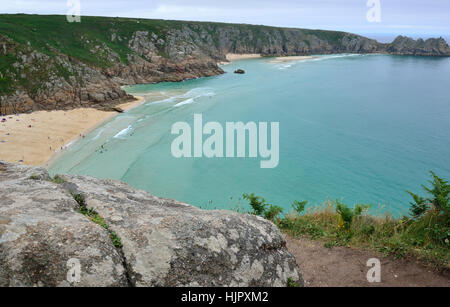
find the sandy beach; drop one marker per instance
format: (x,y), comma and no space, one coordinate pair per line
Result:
(287,59)
(235,57)
(33,139)
(231,57)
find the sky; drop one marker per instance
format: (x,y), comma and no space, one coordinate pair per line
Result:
(388,18)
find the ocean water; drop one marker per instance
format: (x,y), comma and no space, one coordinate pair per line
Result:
(358,128)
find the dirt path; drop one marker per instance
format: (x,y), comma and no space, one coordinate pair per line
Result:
(345,267)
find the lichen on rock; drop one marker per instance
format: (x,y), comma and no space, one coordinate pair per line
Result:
(164,242)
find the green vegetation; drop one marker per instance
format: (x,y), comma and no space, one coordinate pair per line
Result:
(96,218)
(261,208)
(291,283)
(425,235)
(52,34)
(57,179)
(103,42)
(35,177)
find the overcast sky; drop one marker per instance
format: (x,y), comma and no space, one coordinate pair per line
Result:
(411,17)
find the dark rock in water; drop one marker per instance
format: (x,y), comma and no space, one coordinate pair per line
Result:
(162,242)
(113,109)
(239,71)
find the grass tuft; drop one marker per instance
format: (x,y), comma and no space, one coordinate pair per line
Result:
(57,179)
(96,218)
(35,177)
(290,283)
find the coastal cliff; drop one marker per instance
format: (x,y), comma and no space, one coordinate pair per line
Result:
(47,63)
(123,237)
(407,46)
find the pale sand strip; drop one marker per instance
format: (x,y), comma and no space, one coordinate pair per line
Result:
(235,57)
(50,132)
(287,59)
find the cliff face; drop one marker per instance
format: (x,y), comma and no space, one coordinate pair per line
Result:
(119,236)
(47,63)
(407,46)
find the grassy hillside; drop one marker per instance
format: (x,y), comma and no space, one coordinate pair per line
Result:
(50,34)
(49,63)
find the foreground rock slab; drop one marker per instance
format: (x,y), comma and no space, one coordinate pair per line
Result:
(41,231)
(163,242)
(167,243)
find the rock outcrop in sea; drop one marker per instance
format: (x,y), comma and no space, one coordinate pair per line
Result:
(134,239)
(403,45)
(85,64)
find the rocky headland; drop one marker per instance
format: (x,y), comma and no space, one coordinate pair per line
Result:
(47,63)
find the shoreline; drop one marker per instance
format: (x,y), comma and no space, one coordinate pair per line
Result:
(232,57)
(38,138)
(288,59)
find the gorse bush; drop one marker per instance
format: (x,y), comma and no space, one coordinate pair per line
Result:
(347,215)
(425,234)
(431,215)
(439,201)
(299,206)
(257,203)
(261,208)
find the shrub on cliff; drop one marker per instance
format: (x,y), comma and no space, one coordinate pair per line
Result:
(431,215)
(261,208)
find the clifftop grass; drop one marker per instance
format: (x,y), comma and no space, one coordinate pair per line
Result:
(52,34)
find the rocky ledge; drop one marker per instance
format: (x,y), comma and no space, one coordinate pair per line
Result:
(120,236)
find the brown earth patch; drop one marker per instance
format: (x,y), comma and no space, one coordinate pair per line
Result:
(346,267)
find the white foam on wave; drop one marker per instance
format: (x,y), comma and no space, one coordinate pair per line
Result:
(193,95)
(69,144)
(170,99)
(98,134)
(123,132)
(187,101)
(335,56)
(285,66)
(199,92)
(319,58)
(188,97)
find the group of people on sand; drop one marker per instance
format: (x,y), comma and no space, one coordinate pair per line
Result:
(66,146)
(4,120)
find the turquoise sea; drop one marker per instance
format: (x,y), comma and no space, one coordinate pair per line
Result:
(358,128)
